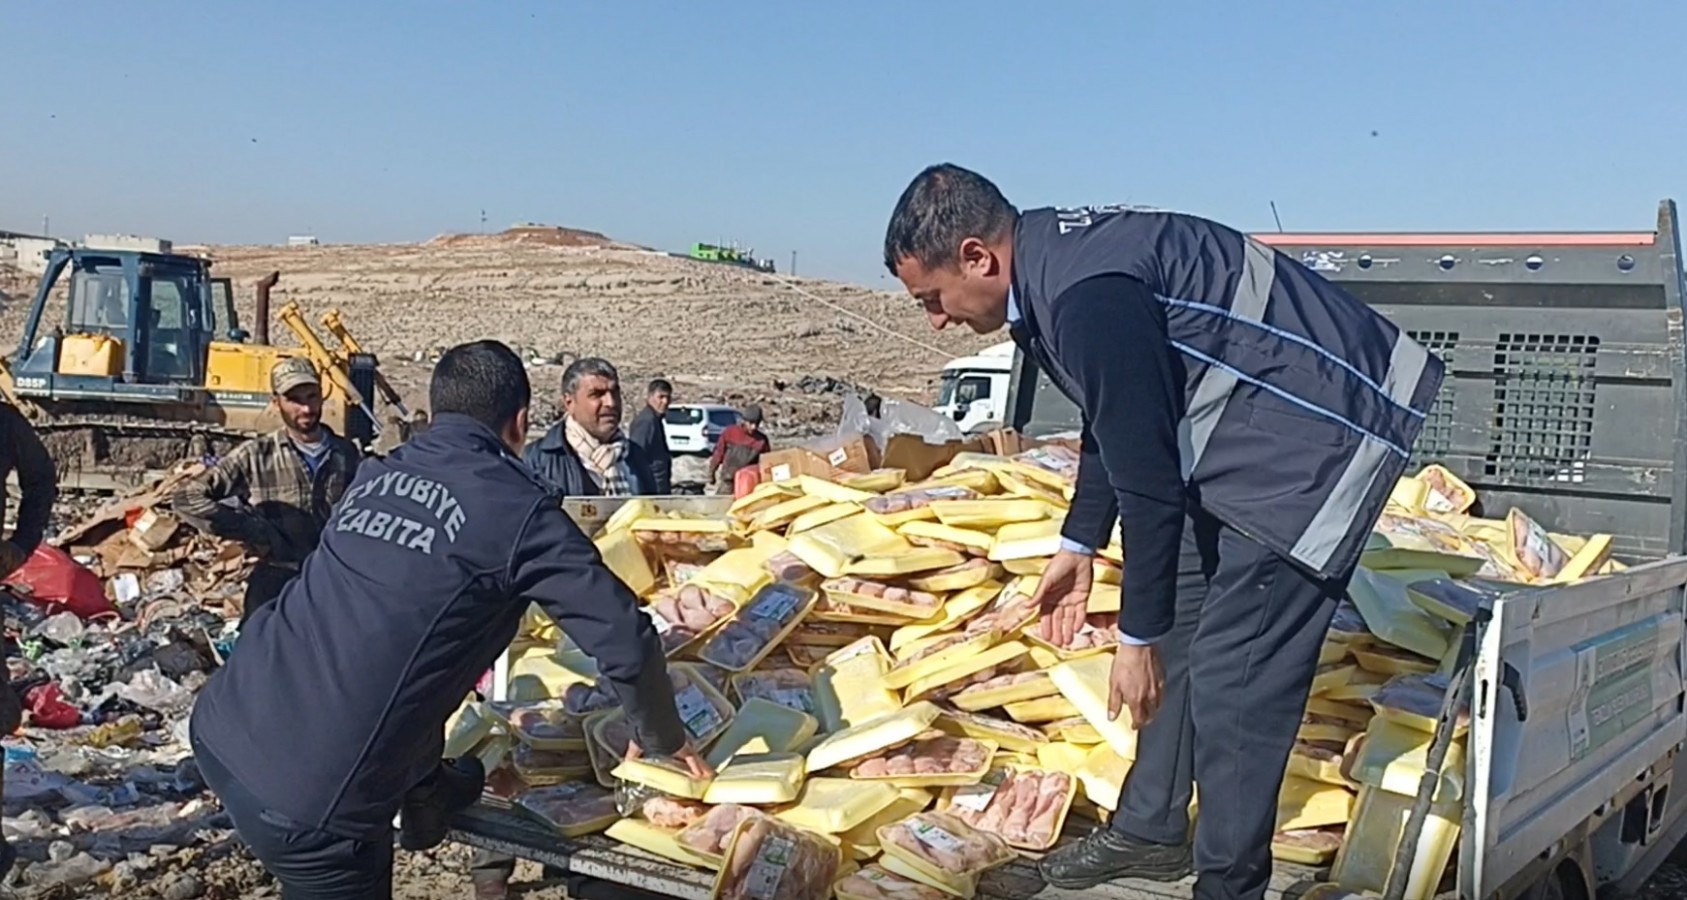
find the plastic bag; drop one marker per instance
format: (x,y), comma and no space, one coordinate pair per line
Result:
(48,709)
(50,577)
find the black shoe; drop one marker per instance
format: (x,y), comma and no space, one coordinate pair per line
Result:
(1106,854)
(425,818)
(8,856)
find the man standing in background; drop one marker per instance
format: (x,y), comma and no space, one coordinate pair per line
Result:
(586,454)
(650,433)
(739,445)
(274,493)
(21,451)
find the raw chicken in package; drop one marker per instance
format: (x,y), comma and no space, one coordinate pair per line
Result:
(1026,807)
(758,628)
(942,851)
(768,860)
(684,614)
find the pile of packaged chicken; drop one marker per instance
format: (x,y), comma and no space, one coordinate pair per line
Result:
(860,659)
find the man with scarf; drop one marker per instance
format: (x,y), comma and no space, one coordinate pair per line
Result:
(586,454)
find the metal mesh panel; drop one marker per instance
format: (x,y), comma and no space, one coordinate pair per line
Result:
(1436,438)
(1543,408)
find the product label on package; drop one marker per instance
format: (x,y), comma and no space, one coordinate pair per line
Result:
(774,606)
(699,715)
(976,797)
(773,857)
(936,838)
(795,698)
(838,457)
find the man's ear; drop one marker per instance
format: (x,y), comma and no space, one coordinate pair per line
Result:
(515,433)
(976,258)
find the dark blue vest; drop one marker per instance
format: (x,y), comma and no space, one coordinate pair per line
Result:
(1302,402)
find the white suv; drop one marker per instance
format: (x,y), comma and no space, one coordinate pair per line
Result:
(694,427)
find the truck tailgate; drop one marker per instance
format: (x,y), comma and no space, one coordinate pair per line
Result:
(498,828)
(1577,692)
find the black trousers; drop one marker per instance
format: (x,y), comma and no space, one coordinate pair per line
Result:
(1238,665)
(310,864)
(263,587)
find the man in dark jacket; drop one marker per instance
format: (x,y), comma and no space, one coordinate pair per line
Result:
(649,432)
(1244,422)
(331,718)
(586,454)
(21,451)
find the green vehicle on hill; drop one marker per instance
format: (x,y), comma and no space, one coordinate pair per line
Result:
(731,255)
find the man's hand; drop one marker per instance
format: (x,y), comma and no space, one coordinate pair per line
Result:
(1064,596)
(688,755)
(1137,682)
(12,559)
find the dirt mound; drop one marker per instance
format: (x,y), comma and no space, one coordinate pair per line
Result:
(537,235)
(720,333)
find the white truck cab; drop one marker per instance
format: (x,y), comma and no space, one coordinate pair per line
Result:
(974,389)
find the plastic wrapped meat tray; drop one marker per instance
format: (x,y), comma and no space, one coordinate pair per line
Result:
(768,860)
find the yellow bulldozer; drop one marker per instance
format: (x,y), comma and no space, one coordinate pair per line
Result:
(142,362)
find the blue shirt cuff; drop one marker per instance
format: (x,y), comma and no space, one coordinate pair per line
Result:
(1129,641)
(1070,546)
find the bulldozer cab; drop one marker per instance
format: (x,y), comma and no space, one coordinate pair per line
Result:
(117,316)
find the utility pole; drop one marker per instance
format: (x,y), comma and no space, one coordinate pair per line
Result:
(793,263)
(46,226)
(1276,217)
(483,221)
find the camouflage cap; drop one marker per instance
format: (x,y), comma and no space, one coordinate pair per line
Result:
(292,372)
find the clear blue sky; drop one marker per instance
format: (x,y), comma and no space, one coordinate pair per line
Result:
(794,126)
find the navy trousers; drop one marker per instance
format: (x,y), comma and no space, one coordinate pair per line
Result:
(1238,665)
(310,864)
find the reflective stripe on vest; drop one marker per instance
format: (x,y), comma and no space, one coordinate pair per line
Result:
(1334,520)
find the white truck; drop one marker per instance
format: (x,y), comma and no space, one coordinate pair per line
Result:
(1565,355)
(973,390)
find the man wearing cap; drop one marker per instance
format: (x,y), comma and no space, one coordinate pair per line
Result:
(738,446)
(274,493)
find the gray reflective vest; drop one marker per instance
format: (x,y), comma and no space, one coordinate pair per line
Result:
(1301,402)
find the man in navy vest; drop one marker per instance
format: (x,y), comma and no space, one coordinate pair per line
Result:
(1244,422)
(331,717)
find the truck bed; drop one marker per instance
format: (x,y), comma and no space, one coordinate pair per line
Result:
(608,865)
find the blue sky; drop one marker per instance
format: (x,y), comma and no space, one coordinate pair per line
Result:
(794,126)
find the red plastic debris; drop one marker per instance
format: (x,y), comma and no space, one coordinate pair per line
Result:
(47,708)
(52,579)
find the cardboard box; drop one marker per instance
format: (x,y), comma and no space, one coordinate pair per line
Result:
(920,459)
(823,458)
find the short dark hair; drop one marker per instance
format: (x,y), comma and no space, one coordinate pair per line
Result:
(580,368)
(659,386)
(942,206)
(483,380)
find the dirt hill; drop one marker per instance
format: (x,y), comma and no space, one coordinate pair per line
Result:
(720,332)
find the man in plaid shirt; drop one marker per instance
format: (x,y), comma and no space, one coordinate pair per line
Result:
(274,493)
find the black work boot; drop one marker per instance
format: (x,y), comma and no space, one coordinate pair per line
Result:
(425,818)
(1106,854)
